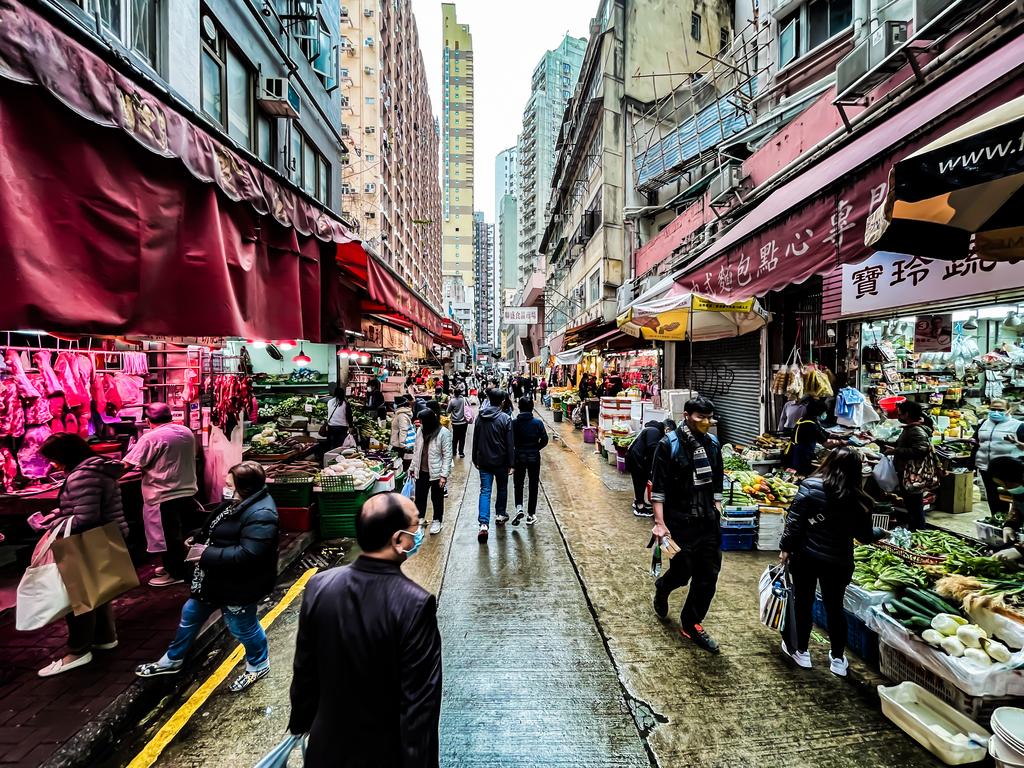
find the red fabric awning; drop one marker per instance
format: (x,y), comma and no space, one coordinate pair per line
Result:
(389,291)
(32,50)
(98,235)
(816,221)
(451,335)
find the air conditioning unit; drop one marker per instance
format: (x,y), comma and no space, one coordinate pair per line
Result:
(725,181)
(885,40)
(346,129)
(278,97)
(368,70)
(369,188)
(367,12)
(371,129)
(852,67)
(370,214)
(368,42)
(347,189)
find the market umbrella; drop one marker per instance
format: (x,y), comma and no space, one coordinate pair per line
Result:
(967,184)
(679,315)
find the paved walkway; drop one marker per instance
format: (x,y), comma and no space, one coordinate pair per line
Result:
(553,657)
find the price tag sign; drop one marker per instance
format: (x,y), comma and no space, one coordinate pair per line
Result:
(309,408)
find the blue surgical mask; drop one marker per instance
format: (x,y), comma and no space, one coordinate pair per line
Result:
(417,539)
(998,416)
(1018,491)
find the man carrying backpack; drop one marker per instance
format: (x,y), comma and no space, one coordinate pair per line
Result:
(686,491)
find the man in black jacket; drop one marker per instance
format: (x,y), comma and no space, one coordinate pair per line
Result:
(529,437)
(639,459)
(686,488)
(493,455)
(367,680)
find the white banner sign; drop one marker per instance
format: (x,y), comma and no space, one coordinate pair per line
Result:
(891,280)
(519,315)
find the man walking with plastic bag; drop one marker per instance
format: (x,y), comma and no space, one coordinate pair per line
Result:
(686,491)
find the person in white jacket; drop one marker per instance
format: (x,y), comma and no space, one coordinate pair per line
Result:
(430,467)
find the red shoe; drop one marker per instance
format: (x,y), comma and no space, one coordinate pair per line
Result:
(700,638)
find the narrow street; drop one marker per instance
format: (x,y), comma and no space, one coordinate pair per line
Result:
(552,655)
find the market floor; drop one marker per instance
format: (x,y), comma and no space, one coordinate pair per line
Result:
(552,655)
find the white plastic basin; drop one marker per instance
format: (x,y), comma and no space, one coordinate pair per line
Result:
(933,724)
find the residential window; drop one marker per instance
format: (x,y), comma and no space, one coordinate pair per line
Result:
(265,139)
(827,18)
(789,39)
(133,22)
(226,85)
(724,38)
(371,100)
(695,26)
(307,167)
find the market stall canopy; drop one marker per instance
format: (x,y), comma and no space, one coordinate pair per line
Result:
(451,335)
(816,220)
(679,315)
(569,356)
(968,183)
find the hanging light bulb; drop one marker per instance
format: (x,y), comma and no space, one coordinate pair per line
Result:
(1013,321)
(301,360)
(364,359)
(286,344)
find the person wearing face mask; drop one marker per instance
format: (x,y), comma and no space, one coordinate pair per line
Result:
(913,444)
(807,436)
(1008,472)
(686,492)
(367,671)
(430,467)
(234,558)
(998,435)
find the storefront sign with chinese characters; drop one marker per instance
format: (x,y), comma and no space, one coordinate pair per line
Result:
(892,280)
(519,315)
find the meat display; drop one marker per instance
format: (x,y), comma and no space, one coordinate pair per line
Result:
(8,469)
(32,463)
(12,414)
(233,395)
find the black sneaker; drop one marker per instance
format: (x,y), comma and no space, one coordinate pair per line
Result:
(643,511)
(700,637)
(660,603)
(501,519)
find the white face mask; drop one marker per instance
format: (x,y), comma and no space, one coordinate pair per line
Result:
(229,494)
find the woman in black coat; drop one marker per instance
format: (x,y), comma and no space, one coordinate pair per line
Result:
(89,498)
(830,511)
(235,557)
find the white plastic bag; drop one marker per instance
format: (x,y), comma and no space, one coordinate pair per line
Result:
(885,474)
(42,596)
(278,756)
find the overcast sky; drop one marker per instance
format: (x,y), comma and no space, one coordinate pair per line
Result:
(509,37)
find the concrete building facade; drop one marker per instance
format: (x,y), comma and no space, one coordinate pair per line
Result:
(391,179)
(551,86)
(484,272)
(457,149)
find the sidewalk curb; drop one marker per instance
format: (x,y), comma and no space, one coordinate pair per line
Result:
(97,739)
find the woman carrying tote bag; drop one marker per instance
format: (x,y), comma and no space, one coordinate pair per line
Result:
(90,498)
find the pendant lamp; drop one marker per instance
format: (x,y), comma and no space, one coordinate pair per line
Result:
(301,360)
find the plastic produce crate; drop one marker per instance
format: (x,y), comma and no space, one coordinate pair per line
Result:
(899,667)
(291,490)
(859,639)
(739,522)
(738,539)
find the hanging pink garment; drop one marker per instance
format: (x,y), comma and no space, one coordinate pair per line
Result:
(8,469)
(33,464)
(25,387)
(37,409)
(51,385)
(12,414)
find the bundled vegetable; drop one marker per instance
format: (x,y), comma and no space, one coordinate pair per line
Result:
(936,542)
(879,570)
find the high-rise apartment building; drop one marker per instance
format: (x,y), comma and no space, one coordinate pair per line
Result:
(457,149)
(484,279)
(506,248)
(554,79)
(391,181)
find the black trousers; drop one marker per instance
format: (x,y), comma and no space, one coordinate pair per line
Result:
(335,437)
(96,627)
(639,486)
(459,439)
(171,514)
(995,504)
(425,487)
(697,563)
(808,573)
(914,502)
(527,468)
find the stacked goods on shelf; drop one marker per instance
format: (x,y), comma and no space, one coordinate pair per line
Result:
(614,416)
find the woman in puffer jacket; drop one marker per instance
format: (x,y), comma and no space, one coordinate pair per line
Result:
(431,465)
(830,511)
(90,497)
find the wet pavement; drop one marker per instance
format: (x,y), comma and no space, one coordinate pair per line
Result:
(553,656)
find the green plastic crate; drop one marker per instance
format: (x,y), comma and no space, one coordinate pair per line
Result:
(337,504)
(292,491)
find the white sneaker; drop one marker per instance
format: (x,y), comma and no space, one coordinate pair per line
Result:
(164,581)
(435,527)
(482,534)
(531,519)
(838,667)
(519,516)
(802,658)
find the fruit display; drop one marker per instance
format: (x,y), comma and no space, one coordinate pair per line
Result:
(764,490)
(768,442)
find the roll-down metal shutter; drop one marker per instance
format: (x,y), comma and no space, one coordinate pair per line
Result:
(729,372)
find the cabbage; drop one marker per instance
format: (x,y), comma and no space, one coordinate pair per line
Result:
(971,635)
(952,646)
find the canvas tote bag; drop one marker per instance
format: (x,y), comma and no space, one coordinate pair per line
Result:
(95,566)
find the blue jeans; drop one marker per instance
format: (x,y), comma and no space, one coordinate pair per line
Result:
(486,479)
(242,623)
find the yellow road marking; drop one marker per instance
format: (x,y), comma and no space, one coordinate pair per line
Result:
(151,752)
